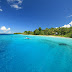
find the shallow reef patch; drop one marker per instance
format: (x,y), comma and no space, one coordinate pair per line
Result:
(63,44)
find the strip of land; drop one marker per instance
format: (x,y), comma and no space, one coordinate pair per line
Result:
(56,32)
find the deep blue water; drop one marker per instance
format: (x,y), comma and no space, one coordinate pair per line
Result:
(37,54)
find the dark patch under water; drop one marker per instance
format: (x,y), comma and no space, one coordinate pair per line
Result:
(63,44)
(52,42)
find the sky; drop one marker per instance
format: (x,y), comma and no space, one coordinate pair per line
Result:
(28,15)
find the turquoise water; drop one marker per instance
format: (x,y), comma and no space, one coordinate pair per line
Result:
(37,54)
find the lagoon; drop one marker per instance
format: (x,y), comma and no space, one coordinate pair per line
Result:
(37,54)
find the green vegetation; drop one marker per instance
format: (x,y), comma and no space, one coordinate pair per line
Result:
(17,33)
(65,32)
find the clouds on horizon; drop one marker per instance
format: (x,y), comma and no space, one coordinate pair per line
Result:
(15,4)
(66,25)
(4,29)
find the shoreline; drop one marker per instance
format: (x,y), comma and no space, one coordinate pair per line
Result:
(50,36)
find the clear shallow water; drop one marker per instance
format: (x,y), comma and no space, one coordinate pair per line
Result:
(37,54)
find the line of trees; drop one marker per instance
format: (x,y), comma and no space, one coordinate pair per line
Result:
(67,32)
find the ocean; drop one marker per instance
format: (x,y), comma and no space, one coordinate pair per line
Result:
(36,54)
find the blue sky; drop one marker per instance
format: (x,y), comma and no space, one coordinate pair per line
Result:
(21,15)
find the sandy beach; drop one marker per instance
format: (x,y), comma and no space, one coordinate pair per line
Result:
(50,36)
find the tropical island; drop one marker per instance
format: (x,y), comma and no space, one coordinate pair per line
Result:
(61,31)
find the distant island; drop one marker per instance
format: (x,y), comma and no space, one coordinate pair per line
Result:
(61,31)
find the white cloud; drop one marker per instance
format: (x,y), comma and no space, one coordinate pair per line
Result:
(16,6)
(8,29)
(20,2)
(66,25)
(70,23)
(3,28)
(1,10)
(15,3)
